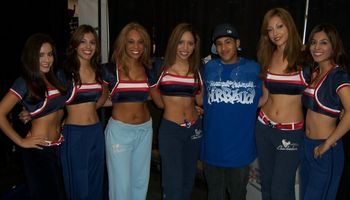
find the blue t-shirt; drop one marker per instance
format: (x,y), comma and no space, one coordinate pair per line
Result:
(231,97)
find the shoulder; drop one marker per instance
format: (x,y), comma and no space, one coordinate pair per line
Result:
(339,76)
(61,76)
(250,65)
(212,63)
(251,62)
(19,83)
(19,87)
(108,66)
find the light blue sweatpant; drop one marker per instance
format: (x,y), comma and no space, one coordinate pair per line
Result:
(128,153)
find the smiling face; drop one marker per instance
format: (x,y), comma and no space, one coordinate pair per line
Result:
(87,47)
(227,49)
(277,31)
(134,45)
(46,57)
(185,46)
(321,48)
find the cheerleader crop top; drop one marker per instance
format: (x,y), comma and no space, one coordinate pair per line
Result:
(323,98)
(124,90)
(290,84)
(41,107)
(176,85)
(86,92)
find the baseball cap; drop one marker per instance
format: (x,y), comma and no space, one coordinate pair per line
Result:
(223,30)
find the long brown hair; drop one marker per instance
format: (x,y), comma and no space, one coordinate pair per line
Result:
(37,87)
(174,39)
(292,51)
(71,65)
(120,56)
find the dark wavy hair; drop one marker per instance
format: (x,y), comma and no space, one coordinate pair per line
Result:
(71,65)
(338,56)
(37,88)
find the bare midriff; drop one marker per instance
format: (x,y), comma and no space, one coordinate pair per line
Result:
(178,109)
(131,112)
(48,126)
(283,108)
(82,114)
(319,126)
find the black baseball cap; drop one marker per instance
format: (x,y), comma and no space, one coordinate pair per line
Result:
(223,30)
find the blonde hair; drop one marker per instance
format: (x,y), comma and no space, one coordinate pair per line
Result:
(120,56)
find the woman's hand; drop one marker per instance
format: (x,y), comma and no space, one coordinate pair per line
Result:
(24,116)
(199,109)
(33,142)
(322,148)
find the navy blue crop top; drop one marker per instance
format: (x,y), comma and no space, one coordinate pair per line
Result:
(175,85)
(38,108)
(323,98)
(290,84)
(124,90)
(86,92)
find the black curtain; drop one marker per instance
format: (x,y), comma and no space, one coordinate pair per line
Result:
(20,19)
(160,17)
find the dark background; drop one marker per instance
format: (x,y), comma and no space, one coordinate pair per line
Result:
(21,18)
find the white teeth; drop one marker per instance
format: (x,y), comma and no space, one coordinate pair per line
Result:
(317,54)
(184,53)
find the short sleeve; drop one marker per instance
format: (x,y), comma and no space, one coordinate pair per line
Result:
(19,88)
(61,77)
(341,79)
(108,72)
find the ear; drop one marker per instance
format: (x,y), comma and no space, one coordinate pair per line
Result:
(238,43)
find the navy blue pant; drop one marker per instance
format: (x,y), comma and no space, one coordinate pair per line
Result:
(179,151)
(43,173)
(320,176)
(226,179)
(278,158)
(83,161)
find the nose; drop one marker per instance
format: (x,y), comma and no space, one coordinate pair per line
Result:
(46,58)
(88,44)
(274,32)
(317,45)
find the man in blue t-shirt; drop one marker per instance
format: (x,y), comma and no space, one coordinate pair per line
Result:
(232,92)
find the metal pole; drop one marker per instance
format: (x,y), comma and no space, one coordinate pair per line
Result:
(305,19)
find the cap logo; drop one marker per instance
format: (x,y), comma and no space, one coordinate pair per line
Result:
(229,31)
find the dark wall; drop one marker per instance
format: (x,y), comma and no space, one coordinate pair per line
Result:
(20,19)
(160,17)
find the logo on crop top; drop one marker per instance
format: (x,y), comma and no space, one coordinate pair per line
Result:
(231,92)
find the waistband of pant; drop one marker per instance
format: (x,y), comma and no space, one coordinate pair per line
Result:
(55,143)
(282,126)
(188,124)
